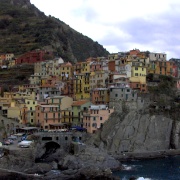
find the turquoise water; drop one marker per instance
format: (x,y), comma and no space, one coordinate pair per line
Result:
(155,169)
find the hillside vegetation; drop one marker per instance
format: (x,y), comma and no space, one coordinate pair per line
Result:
(15,76)
(24,28)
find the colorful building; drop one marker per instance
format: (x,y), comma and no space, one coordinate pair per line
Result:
(48,116)
(164,68)
(33,57)
(138,83)
(96,117)
(81,86)
(100,96)
(78,107)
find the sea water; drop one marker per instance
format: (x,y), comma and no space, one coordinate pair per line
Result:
(167,168)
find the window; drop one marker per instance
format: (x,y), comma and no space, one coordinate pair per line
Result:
(31,120)
(101,118)
(136,74)
(30,108)
(94,118)
(116,95)
(136,68)
(142,69)
(94,125)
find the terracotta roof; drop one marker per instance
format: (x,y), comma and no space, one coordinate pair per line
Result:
(79,103)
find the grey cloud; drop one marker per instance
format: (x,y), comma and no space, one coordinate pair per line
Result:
(162,33)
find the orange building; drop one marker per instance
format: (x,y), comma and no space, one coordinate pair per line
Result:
(100,96)
(111,65)
(134,52)
(164,68)
(47,115)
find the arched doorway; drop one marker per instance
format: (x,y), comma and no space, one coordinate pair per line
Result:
(51,148)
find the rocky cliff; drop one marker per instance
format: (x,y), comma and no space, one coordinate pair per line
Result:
(135,132)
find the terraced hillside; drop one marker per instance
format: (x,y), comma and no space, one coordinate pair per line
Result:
(16,76)
(24,28)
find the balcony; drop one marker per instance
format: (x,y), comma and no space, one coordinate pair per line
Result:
(67,116)
(87,91)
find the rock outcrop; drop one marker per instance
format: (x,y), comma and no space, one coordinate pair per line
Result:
(89,164)
(17,159)
(135,132)
(90,157)
(175,140)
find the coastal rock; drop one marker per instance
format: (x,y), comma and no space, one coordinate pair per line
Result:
(39,168)
(91,157)
(54,165)
(17,160)
(175,136)
(135,132)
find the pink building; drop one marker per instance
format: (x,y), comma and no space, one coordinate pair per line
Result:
(48,116)
(96,117)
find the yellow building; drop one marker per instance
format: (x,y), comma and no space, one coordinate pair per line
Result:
(138,83)
(138,69)
(66,71)
(43,81)
(85,66)
(20,95)
(28,111)
(81,86)
(63,102)
(14,111)
(66,116)
(9,56)
(113,56)
(8,95)
(11,63)
(151,67)
(35,79)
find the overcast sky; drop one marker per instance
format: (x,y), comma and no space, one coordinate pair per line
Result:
(122,25)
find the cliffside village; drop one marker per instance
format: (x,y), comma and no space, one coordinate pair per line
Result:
(61,94)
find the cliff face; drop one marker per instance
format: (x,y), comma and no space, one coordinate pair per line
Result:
(135,132)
